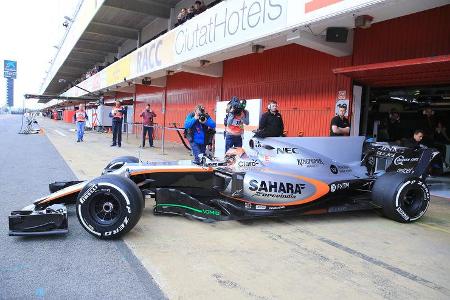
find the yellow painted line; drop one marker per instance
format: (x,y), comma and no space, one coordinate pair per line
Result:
(437,228)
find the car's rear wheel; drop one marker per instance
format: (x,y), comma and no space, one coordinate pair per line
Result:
(109,206)
(118,162)
(402,198)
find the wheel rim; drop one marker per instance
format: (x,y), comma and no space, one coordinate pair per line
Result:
(105,209)
(412,201)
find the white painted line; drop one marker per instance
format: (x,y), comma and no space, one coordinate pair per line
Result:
(59,132)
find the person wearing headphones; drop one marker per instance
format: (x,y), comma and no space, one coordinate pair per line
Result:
(271,123)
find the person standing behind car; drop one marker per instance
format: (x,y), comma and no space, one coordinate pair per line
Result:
(340,126)
(117,116)
(237,117)
(147,125)
(196,127)
(271,123)
(80,119)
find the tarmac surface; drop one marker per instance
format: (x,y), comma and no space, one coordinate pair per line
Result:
(75,266)
(348,255)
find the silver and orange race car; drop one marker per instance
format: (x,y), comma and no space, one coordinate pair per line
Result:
(274,177)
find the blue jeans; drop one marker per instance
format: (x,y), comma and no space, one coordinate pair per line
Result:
(232,141)
(197,149)
(148,129)
(80,130)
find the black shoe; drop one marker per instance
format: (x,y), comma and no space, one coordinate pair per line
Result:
(78,141)
(112,145)
(119,145)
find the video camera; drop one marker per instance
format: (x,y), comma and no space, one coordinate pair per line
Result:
(236,105)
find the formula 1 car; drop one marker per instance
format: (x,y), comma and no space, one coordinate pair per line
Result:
(276,177)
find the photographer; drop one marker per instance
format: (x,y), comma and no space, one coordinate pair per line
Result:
(237,116)
(116,114)
(271,122)
(197,130)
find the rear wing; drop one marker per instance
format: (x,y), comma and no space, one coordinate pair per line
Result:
(394,158)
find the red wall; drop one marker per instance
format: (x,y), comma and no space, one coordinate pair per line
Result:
(422,34)
(298,78)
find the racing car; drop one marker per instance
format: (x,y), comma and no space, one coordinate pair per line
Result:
(275,177)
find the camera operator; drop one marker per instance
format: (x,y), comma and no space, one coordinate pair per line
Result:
(197,130)
(237,116)
(116,114)
(271,122)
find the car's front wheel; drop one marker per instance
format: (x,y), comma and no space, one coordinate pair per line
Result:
(109,206)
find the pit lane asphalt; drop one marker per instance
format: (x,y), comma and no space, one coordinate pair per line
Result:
(75,266)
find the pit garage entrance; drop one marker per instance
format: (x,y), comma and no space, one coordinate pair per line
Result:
(393,99)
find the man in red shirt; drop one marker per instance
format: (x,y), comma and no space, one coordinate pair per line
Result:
(147,121)
(80,119)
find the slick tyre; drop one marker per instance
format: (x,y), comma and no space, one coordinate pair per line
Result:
(118,162)
(403,198)
(109,206)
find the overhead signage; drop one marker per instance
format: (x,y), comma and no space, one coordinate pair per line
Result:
(10,69)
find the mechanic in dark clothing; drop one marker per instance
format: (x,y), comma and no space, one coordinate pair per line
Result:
(395,129)
(147,121)
(340,126)
(271,122)
(117,116)
(428,124)
(415,141)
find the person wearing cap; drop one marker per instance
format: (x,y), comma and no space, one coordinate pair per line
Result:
(80,120)
(116,114)
(340,126)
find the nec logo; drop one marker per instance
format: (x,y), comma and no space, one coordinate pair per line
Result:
(313,5)
(287,150)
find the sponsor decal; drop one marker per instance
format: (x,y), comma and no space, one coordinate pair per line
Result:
(339,186)
(88,193)
(287,150)
(389,148)
(385,154)
(344,169)
(405,170)
(276,189)
(248,205)
(334,169)
(210,212)
(276,207)
(260,207)
(253,163)
(400,160)
(118,229)
(309,162)
(402,213)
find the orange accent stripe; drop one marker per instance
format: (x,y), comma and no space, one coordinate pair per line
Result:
(318,4)
(171,171)
(61,195)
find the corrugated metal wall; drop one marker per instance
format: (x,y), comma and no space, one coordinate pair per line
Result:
(417,35)
(144,96)
(184,91)
(298,78)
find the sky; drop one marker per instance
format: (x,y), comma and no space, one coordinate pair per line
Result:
(28,31)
